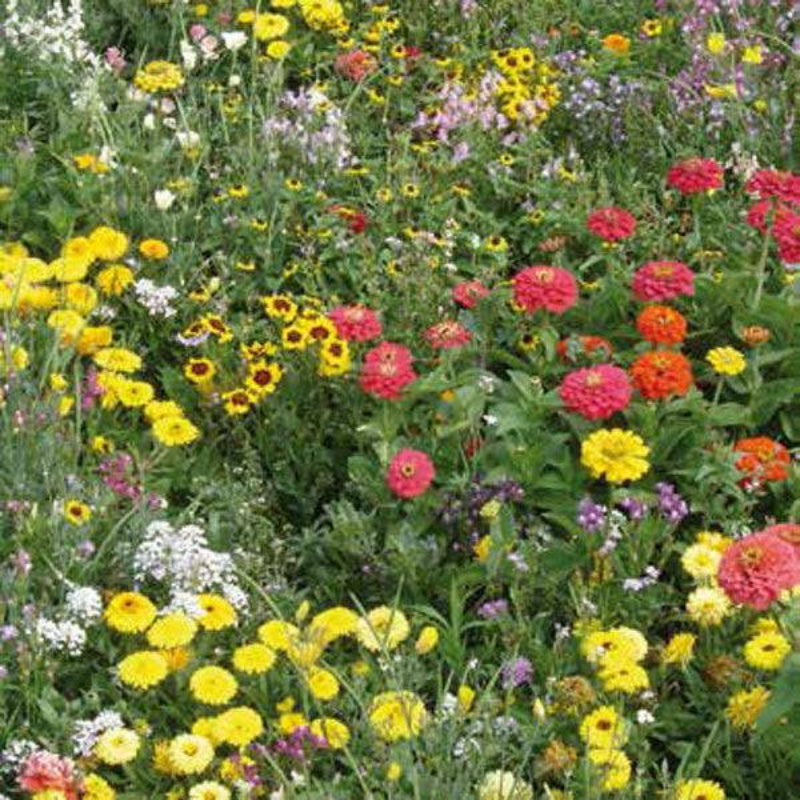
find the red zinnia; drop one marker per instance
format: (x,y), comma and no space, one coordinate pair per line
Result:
(767,183)
(761,459)
(662,280)
(660,374)
(596,392)
(695,175)
(661,325)
(786,230)
(409,473)
(551,288)
(611,224)
(468,293)
(386,370)
(447,334)
(355,323)
(568,349)
(756,569)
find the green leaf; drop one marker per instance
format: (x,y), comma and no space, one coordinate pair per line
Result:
(783,697)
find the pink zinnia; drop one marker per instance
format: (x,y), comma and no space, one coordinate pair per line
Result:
(386,370)
(42,771)
(355,323)
(409,473)
(550,288)
(611,224)
(446,335)
(596,392)
(468,293)
(756,569)
(788,532)
(695,175)
(662,280)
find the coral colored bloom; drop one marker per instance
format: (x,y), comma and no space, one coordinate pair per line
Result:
(661,325)
(611,223)
(788,532)
(761,459)
(446,335)
(756,569)
(660,374)
(468,293)
(569,349)
(43,771)
(409,474)
(386,370)
(596,392)
(355,323)
(662,280)
(695,175)
(355,65)
(550,288)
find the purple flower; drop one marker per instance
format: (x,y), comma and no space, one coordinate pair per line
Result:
(591,516)
(634,509)
(515,673)
(672,506)
(492,609)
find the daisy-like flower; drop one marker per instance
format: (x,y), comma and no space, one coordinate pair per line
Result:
(726,360)
(616,455)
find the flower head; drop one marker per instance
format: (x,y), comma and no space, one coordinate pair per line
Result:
(386,371)
(662,280)
(726,360)
(596,392)
(611,224)
(551,288)
(409,473)
(617,455)
(695,175)
(660,374)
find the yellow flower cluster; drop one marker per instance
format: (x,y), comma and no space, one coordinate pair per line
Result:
(158,76)
(528,91)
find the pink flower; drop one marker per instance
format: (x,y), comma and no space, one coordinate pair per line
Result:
(611,224)
(197,32)
(446,335)
(409,473)
(786,532)
(355,323)
(468,293)
(695,175)
(355,65)
(773,183)
(551,288)
(756,569)
(662,280)
(786,230)
(386,370)
(596,392)
(42,771)
(115,60)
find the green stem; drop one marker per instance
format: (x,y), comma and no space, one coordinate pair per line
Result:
(761,271)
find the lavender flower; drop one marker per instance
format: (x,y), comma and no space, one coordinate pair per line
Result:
(672,506)
(492,609)
(515,673)
(591,516)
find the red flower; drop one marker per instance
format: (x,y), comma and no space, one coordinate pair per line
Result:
(386,370)
(756,569)
(42,771)
(695,175)
(660,374)
(596,392)
(567,349)
(446,335)
(766,183)
(468,293)
(662,280)
(355,323)
(611,224)
(409,474)
(355,65)
(761,459)
(786,230)
(661,325)
(551,288)
(356,221)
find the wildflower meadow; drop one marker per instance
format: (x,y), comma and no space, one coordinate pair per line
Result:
(399,400)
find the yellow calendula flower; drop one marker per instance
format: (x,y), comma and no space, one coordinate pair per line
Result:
(107,243)
(238,726)
(143,669)
(190,754)
(613,766)
(253,659)
(616,455)
(382,627)
(153,249)
(117,746)
(766,651)
(708,606)
(212,685)
(269,26)
(172,630)
(603,728)
(129,612)
(744,707)
(174,431)
(322,683)
(678,650)
(726,360)
(699,789)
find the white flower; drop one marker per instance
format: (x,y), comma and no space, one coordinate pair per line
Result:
(234,40)
(644,717)
(188,55)
(84,604)
(188,139)
(164,199)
